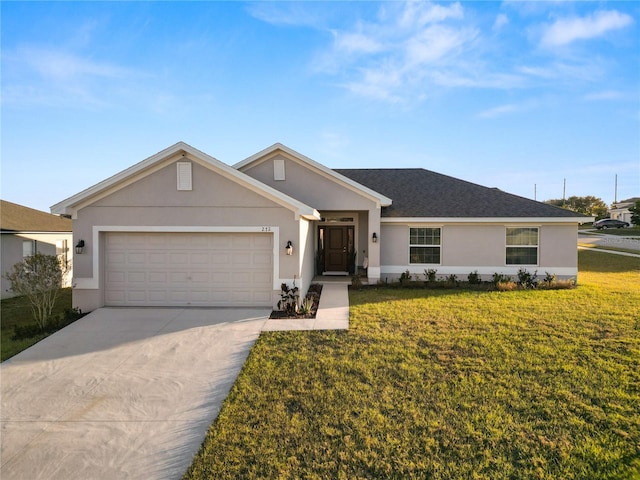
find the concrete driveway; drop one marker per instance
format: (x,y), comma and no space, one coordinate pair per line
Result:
(121,393)
(601,239)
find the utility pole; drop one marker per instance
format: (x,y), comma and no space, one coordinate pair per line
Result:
(535,191)
(615,194)
(564,190)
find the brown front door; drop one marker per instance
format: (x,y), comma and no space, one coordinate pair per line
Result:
(337,243)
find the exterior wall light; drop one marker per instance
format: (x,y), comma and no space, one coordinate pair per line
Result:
(374,237)
(80,247)
(289,248)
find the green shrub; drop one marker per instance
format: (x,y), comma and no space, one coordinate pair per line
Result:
(288,299)
(550,278)
(30,330)
(526,279)
(405,278)
(473,278)
(500,278)
(452,281)
(430,275)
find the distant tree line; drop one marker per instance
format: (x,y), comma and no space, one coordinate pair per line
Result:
(589,205)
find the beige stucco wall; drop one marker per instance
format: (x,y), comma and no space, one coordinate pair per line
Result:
(308,186)
(154,201)
(480,247)
(325,195)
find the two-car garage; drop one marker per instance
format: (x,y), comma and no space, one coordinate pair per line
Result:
(188,269)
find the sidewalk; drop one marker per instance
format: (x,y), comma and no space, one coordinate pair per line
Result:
(614,252)
(332,314)
(605,240)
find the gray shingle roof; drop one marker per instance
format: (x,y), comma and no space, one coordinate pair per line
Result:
(417,192)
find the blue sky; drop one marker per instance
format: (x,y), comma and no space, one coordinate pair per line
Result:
(514,95)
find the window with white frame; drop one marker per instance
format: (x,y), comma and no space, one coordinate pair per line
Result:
(522,246)
(424,245)
(28,248)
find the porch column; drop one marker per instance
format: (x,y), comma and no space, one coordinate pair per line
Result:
(373,272)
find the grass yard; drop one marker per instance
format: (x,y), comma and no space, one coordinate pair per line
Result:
(16,311)
(446,384)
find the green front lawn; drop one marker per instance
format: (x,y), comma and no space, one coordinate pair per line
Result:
(16,311)
(446,384)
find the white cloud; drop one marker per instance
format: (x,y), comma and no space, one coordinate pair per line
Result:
(605,95)
(408,51)
(53,77)
(382,83)
(418,14)
(501,21)
(511,108)
(356,42)
(288,13)
(589,70)
(391,57)
(63,66)
(499,111)
(568,30)
(434,43)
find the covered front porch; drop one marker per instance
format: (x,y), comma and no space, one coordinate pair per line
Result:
(346,244)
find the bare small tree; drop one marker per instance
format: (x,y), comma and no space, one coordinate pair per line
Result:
(39,278)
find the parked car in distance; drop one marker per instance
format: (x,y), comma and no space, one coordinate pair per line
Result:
(610,223)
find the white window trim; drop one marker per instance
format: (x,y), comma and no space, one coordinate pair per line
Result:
(439,227)
(536,246)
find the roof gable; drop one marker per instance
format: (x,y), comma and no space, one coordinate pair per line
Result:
(17,218)
(421,193)
(158,161)
(329,173)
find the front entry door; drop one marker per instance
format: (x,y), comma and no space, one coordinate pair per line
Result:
(338,242)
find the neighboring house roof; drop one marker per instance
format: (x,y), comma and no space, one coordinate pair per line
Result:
(417,192)
(17,218)
(318,167)
(625,203)
(159,160)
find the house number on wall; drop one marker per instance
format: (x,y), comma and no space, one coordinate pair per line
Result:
(266,229)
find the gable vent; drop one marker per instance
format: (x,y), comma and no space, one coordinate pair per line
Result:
(184,176)
(278,169)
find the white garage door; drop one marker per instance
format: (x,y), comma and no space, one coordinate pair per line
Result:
(188,269)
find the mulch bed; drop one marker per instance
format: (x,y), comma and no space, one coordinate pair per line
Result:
(314,294)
